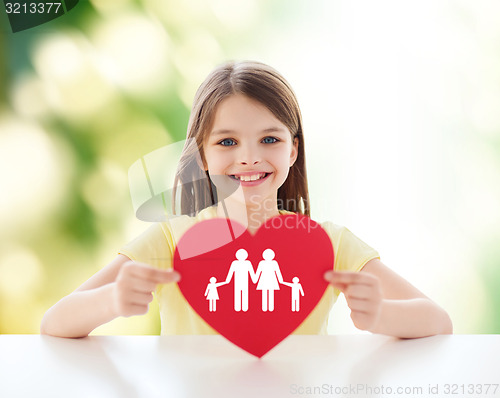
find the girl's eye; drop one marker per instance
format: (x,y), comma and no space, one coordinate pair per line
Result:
(269,140)
(227,142)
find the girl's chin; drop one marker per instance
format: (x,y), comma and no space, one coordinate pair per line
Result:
(260,202)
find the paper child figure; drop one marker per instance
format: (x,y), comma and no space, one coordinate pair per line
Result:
(212,294)
(297,291)
(269,275)
(241,268)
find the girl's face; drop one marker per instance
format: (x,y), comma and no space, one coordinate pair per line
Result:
(249,146)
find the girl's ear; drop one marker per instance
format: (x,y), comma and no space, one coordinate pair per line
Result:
(295,151)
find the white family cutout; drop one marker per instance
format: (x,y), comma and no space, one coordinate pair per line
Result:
(268,278)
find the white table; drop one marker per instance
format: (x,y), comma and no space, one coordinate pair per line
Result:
(210,366)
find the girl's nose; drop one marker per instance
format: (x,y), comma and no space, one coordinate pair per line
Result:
(249,156)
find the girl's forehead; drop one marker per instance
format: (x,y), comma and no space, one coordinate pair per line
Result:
(239,113)
(240,104)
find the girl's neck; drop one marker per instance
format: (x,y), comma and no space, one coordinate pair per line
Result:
(250,215)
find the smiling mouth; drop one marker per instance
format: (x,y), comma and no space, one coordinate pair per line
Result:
(254,177)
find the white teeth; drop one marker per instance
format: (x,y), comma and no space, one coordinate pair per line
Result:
(253,177)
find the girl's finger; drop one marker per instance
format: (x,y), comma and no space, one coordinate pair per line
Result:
(131,283)
(348,277)
(136,298)
(156,275)
(361,320)
(359,305)
(329,277)
(340,286)
(357,291)
(143,286)
(138,309)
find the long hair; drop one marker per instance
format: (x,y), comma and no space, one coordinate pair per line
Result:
(259,82)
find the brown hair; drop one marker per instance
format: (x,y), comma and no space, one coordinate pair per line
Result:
(263,84)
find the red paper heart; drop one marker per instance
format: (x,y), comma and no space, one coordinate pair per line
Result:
(301,249)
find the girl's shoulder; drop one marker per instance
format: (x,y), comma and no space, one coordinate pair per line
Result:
(176,226)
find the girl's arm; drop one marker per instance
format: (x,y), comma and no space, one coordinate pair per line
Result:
(122,288)
(383,302)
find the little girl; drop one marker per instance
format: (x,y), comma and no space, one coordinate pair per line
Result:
(246,128)
(211,293)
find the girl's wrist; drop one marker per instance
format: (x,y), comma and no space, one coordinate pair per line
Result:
(109,300)
(411,318)
(378,324)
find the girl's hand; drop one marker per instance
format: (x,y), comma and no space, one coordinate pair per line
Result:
(363,294)
(133,287)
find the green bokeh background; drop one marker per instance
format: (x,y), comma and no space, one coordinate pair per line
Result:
(84,96)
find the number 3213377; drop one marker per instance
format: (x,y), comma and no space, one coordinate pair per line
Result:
(32,8)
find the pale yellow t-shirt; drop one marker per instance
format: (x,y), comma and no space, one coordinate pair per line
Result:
(156,246)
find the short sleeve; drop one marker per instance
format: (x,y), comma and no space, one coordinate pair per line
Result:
(350,252)
(153,247)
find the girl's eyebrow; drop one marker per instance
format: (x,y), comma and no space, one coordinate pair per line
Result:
(275,130)
(265,131)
